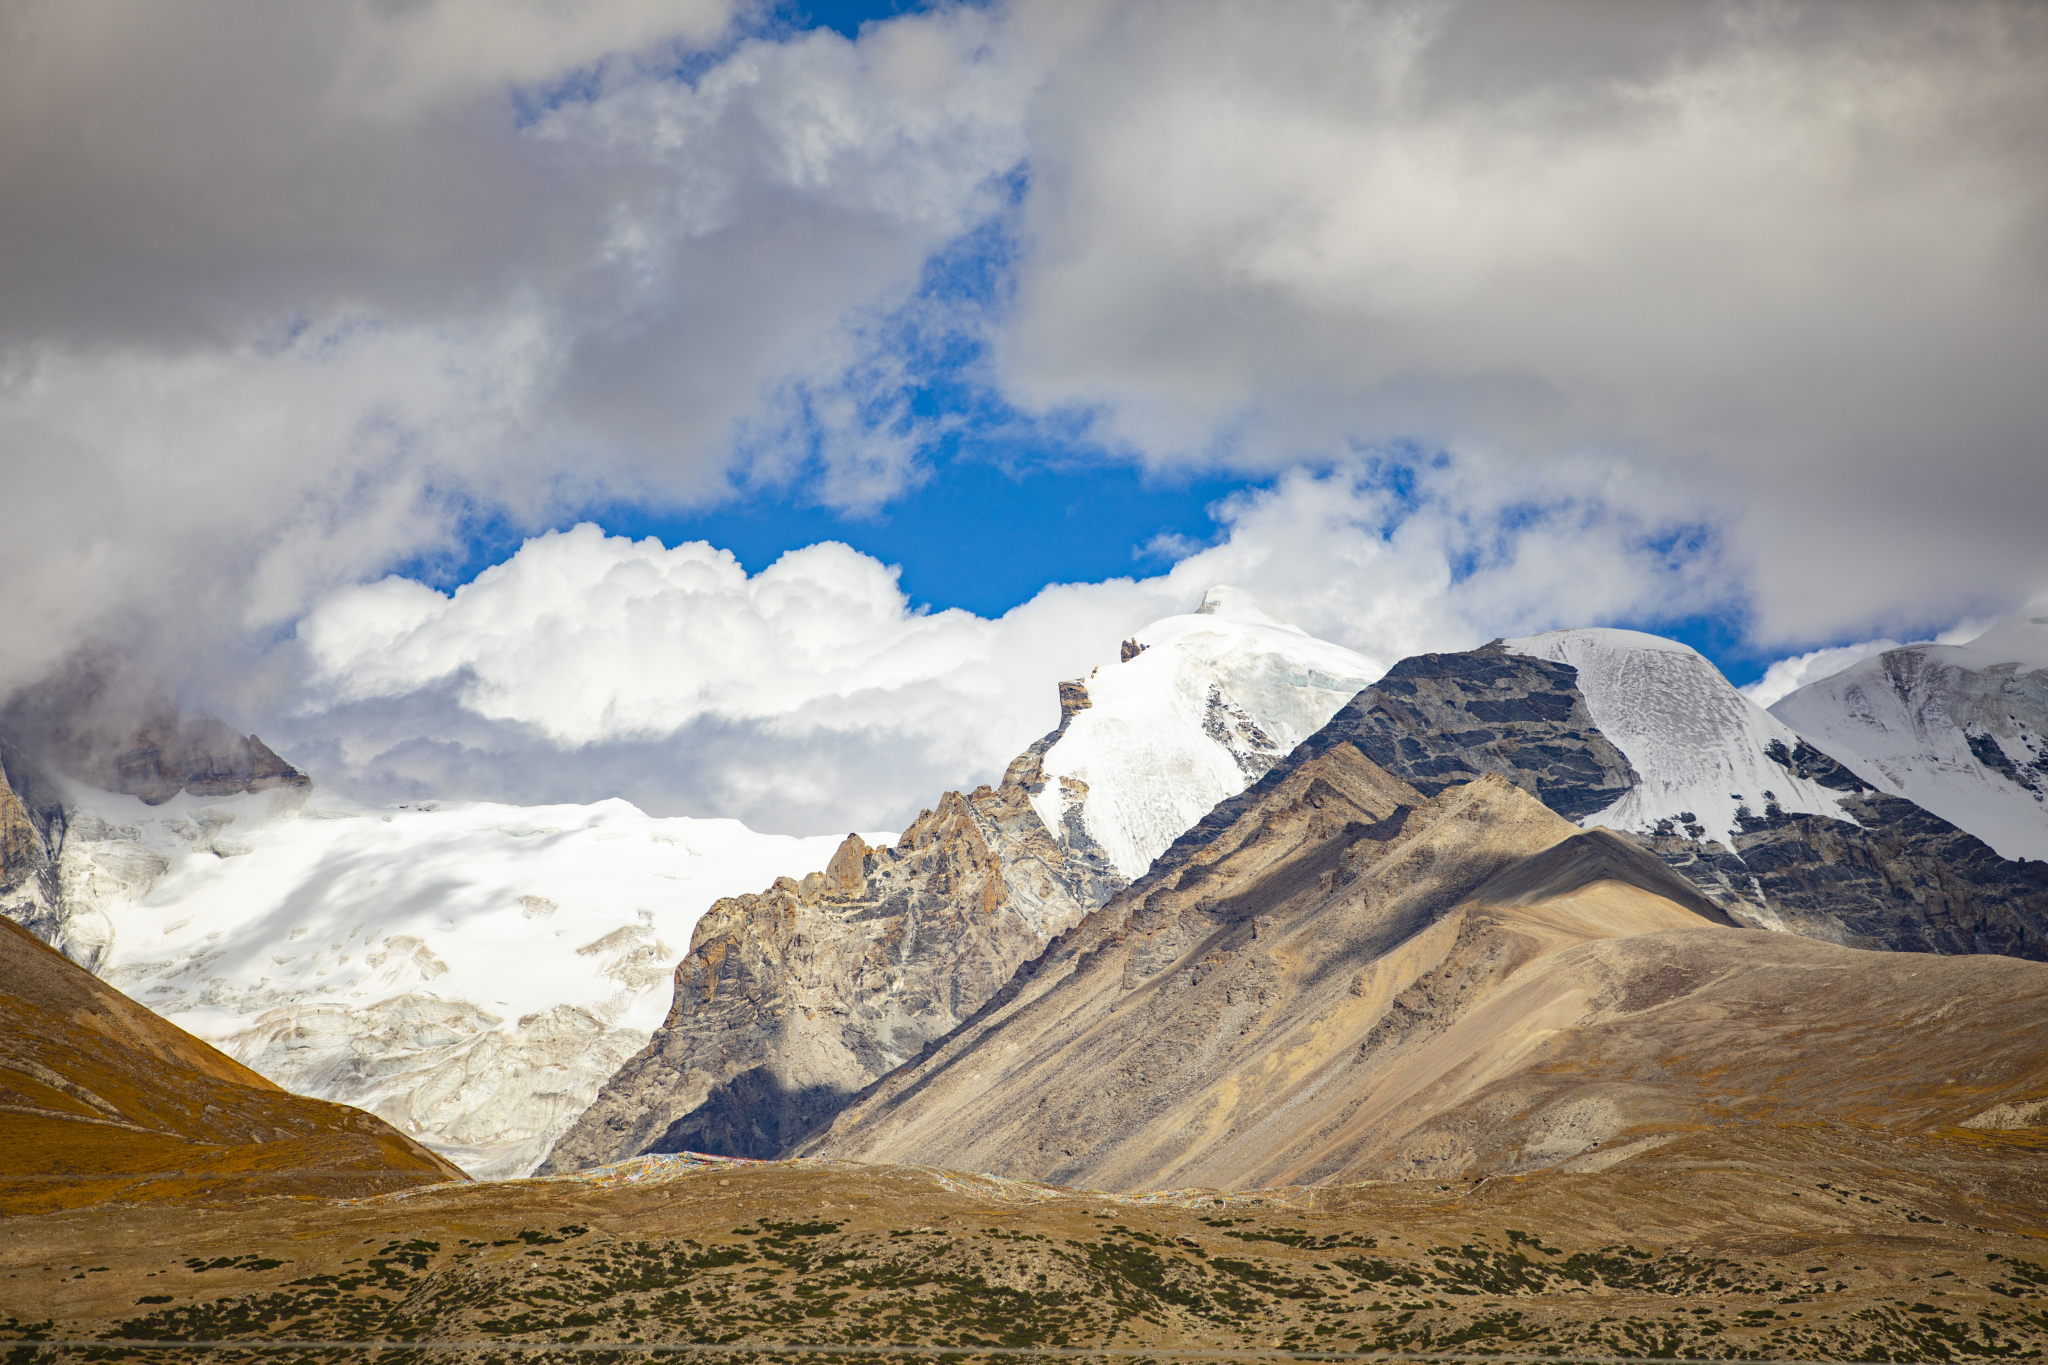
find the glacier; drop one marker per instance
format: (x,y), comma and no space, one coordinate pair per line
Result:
(1699,747)
(1961,730)
(470,972)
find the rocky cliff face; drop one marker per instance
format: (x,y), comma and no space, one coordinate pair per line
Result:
(792,1000)
(31,834)
(1881,872)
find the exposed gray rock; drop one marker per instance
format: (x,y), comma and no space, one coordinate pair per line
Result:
(793,1000)
(1895,876)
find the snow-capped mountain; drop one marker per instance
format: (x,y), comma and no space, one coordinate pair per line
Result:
(469,972)
(1701,750)
(793,1000)
(1960,729)
(1200,707)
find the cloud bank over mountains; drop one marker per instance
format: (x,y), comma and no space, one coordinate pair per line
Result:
(1531,315)
(588,665)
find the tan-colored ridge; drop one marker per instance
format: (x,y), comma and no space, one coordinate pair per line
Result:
(1352,981)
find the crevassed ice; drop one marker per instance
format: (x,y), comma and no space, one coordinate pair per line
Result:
(1696,743)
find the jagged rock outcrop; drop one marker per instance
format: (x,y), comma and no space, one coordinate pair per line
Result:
(32,825)
(792,1000)
(91,723)
(1354,980)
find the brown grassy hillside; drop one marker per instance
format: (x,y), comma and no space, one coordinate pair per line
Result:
(101,1099)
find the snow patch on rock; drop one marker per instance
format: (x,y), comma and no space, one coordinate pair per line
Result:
(1199,712)
(1960,729)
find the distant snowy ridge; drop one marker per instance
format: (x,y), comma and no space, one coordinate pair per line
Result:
(1206,705)
(470,972)
(1960,729)
(1700,747)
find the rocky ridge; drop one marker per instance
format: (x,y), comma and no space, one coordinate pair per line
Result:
(1355,979)
(793,1000)
(1881,873)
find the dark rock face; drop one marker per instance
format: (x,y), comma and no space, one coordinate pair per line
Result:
(1893,877)
(202,756)
(1440,720)
(31,824)
(91,720)
(792,1001)
(1900,877)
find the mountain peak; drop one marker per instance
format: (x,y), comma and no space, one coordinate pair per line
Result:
(2021,638)
(1238,605)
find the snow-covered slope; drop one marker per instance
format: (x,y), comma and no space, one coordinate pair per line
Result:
(1960,729)
(1698,745)
(1212,701)
(470,972)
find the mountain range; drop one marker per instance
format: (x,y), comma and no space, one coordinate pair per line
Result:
(1258,909)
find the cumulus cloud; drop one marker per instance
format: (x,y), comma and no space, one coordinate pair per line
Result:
(815,694)
(805,696)
(293,292)
(1717,308)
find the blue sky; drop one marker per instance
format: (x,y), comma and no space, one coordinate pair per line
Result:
(999,502)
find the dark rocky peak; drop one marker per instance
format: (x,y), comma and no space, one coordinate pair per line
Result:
(1439,720)
(91,723)
(1442,719)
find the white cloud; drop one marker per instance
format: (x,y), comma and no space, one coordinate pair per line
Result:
(814,695)
(1787,676)
(1713,304)
(289,293)
(1793,254)
(587,638)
